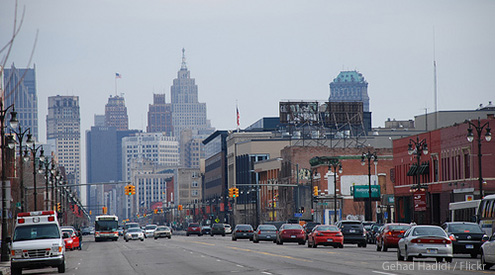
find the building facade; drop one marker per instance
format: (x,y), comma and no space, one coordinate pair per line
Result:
(116,113)
(20,90)
(160,116)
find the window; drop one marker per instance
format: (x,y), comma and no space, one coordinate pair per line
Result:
(194,184)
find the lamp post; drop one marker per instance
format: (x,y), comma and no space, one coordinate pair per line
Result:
(34,151)
(335,163)
(416,147)
(47,167)
(470,138)
(13,123)
(370,157)
(19,134)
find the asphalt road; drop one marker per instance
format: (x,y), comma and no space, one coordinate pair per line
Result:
(220,255)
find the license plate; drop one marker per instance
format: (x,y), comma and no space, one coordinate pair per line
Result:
(244,234)
(352,231)
(292,236)
(268,236)
(469,246)
(431,251)
(329,240)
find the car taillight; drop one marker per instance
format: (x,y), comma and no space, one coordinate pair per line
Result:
(452,237)
(389,233)
(21,221)
(51,218)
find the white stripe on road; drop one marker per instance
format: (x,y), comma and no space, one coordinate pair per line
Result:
(384,273)
(266,272)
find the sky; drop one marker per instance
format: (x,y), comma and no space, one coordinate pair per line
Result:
(256,53)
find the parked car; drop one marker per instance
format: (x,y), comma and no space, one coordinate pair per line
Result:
(467,237)
(308,227)
(242,231)
(228,228)
(194,229)
(68,241)
(291,233)
(75,244)
(389,235)
(425,241)
(488,253)
(206,230)
(265,232)
(326,235)
(149,229)
(353,231)
(162,232)
(134,233)
(218,229)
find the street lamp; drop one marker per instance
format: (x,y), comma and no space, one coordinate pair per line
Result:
(335,163)
(19,134)
(47,167)
(13,123)
(470,138)
(31,145)
(416,147)
(370,157)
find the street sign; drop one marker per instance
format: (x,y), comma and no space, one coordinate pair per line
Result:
(361,192)
(217,220)
(419,201)
(297,215)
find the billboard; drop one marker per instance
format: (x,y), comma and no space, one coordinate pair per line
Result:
(361,192)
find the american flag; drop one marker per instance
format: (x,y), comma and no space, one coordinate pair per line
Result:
(117,75)
(238,117)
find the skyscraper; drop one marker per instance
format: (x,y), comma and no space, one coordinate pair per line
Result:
(20,90)
(63,132)
(187,112)
(116,113)
(160,116)
(350,86)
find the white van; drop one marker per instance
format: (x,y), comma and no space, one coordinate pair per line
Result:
(37,242)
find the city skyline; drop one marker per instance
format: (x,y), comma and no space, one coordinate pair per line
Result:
(257,54)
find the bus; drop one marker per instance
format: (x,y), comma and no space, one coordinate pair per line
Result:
(106,228)
(486,214)
(463,211)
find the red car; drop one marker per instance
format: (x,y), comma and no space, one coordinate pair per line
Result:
(71,240)
(291,233)
(194,228)
(326,235)
(389,236)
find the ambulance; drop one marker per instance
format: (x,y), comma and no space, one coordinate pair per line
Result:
(37,242)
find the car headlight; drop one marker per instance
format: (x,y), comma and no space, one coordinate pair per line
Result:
(16,253)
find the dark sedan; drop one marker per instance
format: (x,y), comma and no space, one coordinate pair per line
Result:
(291,233)
(242,231)
(265,232)
(467,237)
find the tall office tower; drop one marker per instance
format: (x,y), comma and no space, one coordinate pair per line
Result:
(116,113)
(160,116)
(20,90)
(63,131)
(350,86)
(192,149)
(187,112)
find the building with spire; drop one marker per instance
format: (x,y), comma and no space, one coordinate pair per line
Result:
(116,113)
(350,86)
(20,90)
(187,112)
(160,116)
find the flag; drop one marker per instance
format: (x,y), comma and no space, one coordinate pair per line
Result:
(117,75)
(238,116)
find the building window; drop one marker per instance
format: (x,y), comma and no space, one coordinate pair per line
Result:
(194,184)
(194,193)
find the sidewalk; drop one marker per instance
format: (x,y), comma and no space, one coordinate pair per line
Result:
(4,268)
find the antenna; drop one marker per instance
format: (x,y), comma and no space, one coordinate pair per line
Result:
(435,81)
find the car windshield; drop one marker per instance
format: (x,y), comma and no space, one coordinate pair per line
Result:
(131,225)
(161,228)
(398,227)
(134,230)
(292,226)
(429,231)
(267,227)
(352,225)
(244,227)
(150,227)
(465,228)
(194,225)
(327,228)
(38,231)
(65,235)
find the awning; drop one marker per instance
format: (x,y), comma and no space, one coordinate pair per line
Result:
(423,169)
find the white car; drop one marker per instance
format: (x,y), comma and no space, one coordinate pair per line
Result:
(425,241)
(149,230)
(228,229)
(134,234)
(488,253)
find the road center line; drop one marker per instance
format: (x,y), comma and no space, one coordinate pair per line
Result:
(384,273)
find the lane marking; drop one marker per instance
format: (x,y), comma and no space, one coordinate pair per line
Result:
(384,273)
(270,254)
(239,265)
(264,272)
(202,243)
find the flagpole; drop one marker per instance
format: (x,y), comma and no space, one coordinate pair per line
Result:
(116,85)
(237,115)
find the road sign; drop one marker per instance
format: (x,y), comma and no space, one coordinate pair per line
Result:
(361,192)
(217,220)
(297,215)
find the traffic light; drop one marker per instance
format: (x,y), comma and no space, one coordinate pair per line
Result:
(155,211)
(59,207)
(133,190)
(315,190)
(127,190)
(231,192)
(236,192)
(104,210)
(179,207)
(302,209)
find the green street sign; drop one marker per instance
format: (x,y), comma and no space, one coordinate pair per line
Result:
(361,192)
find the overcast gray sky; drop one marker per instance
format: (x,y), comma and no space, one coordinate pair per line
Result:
(257,52)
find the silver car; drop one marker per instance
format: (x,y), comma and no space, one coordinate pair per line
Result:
(265,232)
(162,232)
(228,229)
(149,230)
(134,234)
(425,241)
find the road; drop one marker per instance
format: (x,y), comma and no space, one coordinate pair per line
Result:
(220,255)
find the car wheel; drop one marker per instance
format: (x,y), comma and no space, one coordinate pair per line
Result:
(378,247)
(341,246)
(61,267)
(200,235)
(169,237)
(484,264)
(364,244)
(448,259)
(315,245)
(439,259)
(384,248)
(474,255)
(234,239)
(223,235)
(142,240)
(187,234)
(399,256)
(126,240)
(309,244)
(15,270)
(156,238)
(302,243)
(408,258)
(256,241)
